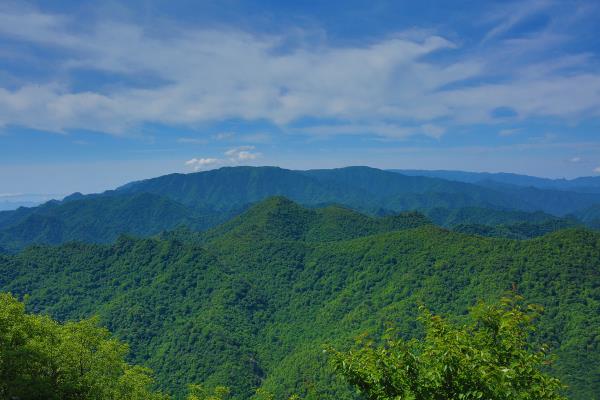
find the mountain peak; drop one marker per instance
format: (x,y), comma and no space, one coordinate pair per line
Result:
(282,219)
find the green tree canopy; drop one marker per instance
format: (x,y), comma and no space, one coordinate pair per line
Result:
(490,358)
(43,359)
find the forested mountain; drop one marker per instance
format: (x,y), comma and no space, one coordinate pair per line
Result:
(251,302)
(587,184)
(100,219)
(520,230)
(363,188)
(204,199)
(281,219)
(449,217)
(500,223)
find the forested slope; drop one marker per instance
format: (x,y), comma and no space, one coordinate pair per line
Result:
(252,303)
(591,216)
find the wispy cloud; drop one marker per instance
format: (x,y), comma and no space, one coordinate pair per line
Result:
(508,16)
(242,153)
(224,136)
(386,130)
(234,156)
(393,87)
(202,163)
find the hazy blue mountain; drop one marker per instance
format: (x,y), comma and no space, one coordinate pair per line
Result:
(230,187)
(553,201)
(98,219)
(590,216)
(362,188)
(8,205)
(589,184)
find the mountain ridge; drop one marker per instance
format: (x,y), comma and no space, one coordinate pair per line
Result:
(204,199)
(584,184)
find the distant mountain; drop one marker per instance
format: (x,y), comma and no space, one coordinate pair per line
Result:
(12,201)
(362,188)
(204,199)
(400,192)
(519,230)
(252,303)
(589,184)
(359,187)
(97,219)
(553,201)
(232,187)
(7,205)
(449,217)
(500,223)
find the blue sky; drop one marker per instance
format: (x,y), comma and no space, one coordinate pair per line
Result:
(96,94)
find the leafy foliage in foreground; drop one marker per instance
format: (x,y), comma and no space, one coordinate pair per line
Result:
(251,308)
(490,358)
(42,359)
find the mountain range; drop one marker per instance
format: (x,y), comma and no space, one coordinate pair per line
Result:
(477,204)
(588,184)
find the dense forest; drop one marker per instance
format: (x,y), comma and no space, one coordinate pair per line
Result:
(250,303)
(490,357)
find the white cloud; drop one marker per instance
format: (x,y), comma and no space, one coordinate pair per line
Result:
(241,153)
(510,16)
(202,163)
(246,155)
(575,160)
(236,150)
(597,170)
(225,73)
(224,135)
(233,156)
(385,130)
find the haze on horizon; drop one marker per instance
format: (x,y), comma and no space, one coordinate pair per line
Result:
(94,96)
